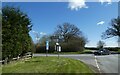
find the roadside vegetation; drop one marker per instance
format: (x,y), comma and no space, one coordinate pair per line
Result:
(16,40)
(47,65)
(100,44)
(69,37)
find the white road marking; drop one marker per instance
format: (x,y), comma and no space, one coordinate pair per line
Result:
(97,64)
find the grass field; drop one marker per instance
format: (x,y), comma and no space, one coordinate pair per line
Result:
(46,65)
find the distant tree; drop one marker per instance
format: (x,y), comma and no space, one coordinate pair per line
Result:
(113,30)
(15,32)
(37,36)
(47,38)
(100,44)
(43,40)
(69,34)
(67,31)
(41,45)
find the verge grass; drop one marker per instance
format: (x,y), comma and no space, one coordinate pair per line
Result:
(46,65)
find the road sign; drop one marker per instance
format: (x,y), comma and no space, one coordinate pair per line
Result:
(59,48)
(57,43)
(47,45)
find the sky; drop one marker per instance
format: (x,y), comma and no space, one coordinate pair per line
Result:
(92,18)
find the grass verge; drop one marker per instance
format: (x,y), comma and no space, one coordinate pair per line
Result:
(47,65)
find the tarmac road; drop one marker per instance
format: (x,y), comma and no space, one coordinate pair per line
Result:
(100,64)
(108,63)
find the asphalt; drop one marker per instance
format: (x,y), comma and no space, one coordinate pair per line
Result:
(108,63)
(99,64)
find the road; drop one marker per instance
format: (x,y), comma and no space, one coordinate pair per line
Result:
(99,64)
(108,63)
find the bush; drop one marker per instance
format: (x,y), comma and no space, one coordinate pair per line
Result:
(15,33)
(113,49)
(65,47)
(42,49)
(71,47)
(86,52)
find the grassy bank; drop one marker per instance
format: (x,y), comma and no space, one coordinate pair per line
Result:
(47,65)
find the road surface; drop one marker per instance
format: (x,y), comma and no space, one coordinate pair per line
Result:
(100,64)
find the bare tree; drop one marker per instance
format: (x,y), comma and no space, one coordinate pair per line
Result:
(70,37)
(113,30)
(67,31)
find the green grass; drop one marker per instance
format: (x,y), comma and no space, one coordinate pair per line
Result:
(86,51)
(118,50)
(69,52)
(47,65)
(0,68)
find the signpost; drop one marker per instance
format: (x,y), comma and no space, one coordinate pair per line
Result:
(59,50)
(47,47)
(57,46)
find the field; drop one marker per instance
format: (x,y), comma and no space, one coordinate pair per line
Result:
(46,65)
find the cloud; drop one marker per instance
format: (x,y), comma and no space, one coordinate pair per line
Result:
(42,33)
(77,4)
(37,38)
(34,31)
(100,23)
(108,1)
(38,35)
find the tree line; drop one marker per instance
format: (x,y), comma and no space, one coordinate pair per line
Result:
(69,36)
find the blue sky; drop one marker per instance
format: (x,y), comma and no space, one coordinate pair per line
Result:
(92,19)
